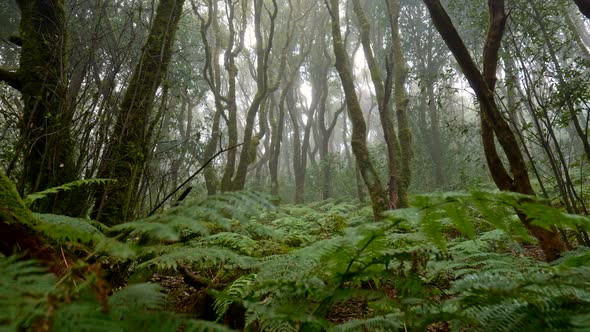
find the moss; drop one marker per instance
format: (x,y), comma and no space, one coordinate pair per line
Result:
(12,207)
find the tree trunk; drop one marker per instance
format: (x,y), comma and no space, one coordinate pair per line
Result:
(492,121)
(46,121)
(129,150)
(248,153)
(401,104)
(383,94)
(355,113)
(436,146)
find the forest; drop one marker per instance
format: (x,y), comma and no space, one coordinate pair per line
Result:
(294,165)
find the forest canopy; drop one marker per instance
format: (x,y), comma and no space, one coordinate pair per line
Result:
(294,165)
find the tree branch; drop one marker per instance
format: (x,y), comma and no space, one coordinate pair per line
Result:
(192,176)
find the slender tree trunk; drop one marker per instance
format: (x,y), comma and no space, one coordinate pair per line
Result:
(401,104)
(355,113)
(251,141)
(383,93)
(436,146)
(300,146)
(583,134)
(277,128)
(230,54)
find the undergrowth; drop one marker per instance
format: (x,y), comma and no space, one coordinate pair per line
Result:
(454,261)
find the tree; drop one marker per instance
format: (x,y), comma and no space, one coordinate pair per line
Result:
(493,125)
(401,103)
(264,86)
(355,113)
(291,80)
(41,79)
(129,150)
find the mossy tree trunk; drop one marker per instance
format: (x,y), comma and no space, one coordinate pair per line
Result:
(278,125)
(263,88)
(234,48)
(17,229)
(41,79)
(129,148)
(320,72)
(212,75)
(401,103)
(492,122)
(300,145)
(359,128)
(396,192)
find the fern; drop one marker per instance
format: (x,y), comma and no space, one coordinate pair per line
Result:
(62,229)
(200,257)
(538,298)
(383,323)
(452,258)
(31,300)
(238,242)
(25,290)
(234,292)
(31,198)
(196,218)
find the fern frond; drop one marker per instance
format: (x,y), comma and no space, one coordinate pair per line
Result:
(30,199)
(67,229)
(234,292)
(577,258)
(203,326)
(238,242)
(381,323)
(24,291)
(114,248)
(154,230)
(196,218)
(199,257)
(137,297)
(134,308)
(79,316)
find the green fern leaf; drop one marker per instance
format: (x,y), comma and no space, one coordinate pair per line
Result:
(30,199)
(24,291)
(62,229)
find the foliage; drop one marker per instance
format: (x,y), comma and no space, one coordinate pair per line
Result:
(31,299)
(454,259)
